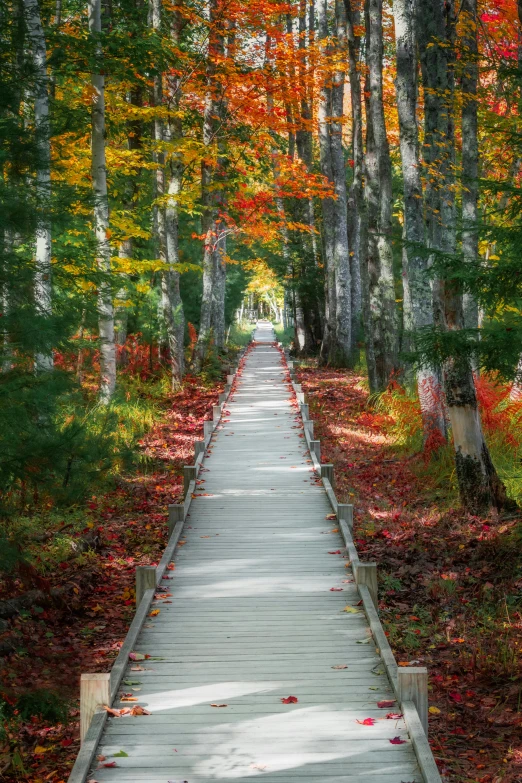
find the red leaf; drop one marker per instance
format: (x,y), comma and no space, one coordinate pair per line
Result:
(109,764)
(456,696)
(367,722)
(397,741)
(290,700)
(336,589)
(382,705)
(337,552)
(394,715)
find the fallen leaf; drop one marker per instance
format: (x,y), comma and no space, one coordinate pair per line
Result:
(367,722)
(137,710)
(120,754)
(290,700)
(394,715)
(335,552)
(134,656)
(109,765)
(128,698)
(336,589)
(455,696)
(351,610)
(340,666)
(434,711)
(154,612)
(219,705)
(397,741)
(331,516)
(382,705)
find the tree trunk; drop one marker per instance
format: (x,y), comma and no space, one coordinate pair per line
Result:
(380,200)
(209,201)
(417,289)
(470,191)
(479,485)
(43,279)
(101,216)
(357,225)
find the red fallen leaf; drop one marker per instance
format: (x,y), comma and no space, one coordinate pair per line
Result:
(219,705)
(111,711)
(336,589)
(290,700)
(367,722)
(394,715)
(456,696)
(382,705)
(397,741)
(336,552)
(331,516)
(137,710)
(66,742)
(109,764)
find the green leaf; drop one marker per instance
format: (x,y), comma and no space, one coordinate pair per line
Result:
(120,755)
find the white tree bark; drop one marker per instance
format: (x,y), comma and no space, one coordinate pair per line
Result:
(417,288)
(379,199)
(43,278)
(101,218)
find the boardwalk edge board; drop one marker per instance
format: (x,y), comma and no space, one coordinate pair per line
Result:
(87,752)
(423,752)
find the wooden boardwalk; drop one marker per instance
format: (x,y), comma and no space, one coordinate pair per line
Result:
(257,614)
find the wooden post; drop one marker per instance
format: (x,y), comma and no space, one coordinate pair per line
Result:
(315,446)
(366,574)
(309,427)
(305,411)
(176,514)
(145,579)
(199,446)
(208,428)
(222,397)
(290,365)
(94,693)
(345,512)
(327,471)
(230,379)
(189,474)
(413,686)
(227,389)
(298,387)
(216,412)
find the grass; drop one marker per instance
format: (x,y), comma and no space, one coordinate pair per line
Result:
(284,336)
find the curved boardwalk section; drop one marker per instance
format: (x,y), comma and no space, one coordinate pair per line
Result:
(262,663)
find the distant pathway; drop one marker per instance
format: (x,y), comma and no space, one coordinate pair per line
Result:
(253,619)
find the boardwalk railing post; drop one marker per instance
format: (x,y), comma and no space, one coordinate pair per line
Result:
(315,446)
(94,693)
(230,379)
(145,579)
(208,428)
(222,397)
(176,514)
(366,574)
(413,686)
(327,471)
(345,512)
(305,411)
(216,412)
(189,474)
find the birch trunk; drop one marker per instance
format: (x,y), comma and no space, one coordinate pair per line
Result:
(43,278)
(324,115)
(417,288)
(479,485)
(357,225)
(209,219)
(101,217)
(470,172)
(379,199)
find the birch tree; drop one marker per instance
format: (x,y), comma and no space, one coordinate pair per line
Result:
(479,485)
(43,277)
(379,197)
(417,283)
(337,340)
(101,213)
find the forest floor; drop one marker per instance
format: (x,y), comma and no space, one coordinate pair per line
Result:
(84,631)
(450,583)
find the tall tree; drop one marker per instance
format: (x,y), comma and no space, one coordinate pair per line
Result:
(417,282)
(379,197)
(43,275)
(479,484)
(101,212)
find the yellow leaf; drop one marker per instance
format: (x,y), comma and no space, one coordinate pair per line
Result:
(154,612)
(351,609)
(40,749)
(434,710)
